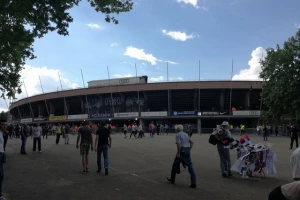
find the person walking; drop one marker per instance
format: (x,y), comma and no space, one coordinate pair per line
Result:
(102,143)
(58,131)
(24,135)
(85,137)
(3,127)
(294,136)
(184,146)
(67,132)
(36,135)
(125,128)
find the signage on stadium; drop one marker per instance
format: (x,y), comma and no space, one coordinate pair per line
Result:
(123,81)
(83,116)
(40,119)
(100,115)
(209,113)
(154,114)
(183,113)
(58,118)
(246,112)
(129,114)
(26,120)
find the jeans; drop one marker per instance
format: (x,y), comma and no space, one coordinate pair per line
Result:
(67,139)
(292,141)
(37,140)
(102,149)
(225,162)
(151,133)
(1,173)
(57,138)
(23,145)
(185,158)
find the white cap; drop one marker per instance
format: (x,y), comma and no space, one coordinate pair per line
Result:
(225,123)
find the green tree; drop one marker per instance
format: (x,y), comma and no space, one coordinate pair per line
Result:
(281,72)
(21,21)
(3,115)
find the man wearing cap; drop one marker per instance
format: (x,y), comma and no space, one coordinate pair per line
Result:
(222,135)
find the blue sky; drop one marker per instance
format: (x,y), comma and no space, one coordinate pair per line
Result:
(155,31)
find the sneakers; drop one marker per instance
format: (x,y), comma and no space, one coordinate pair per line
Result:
(193,186)
(106,171)
(40,151)
(171,181)
(230,174)
(224,175)
(99,171)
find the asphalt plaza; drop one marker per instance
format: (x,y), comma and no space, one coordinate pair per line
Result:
(138,170)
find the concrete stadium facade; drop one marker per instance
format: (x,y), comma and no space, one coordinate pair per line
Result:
(204,104)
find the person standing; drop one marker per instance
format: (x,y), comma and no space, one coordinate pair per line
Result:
(24,135)
(58,131)
(125,130)
(224,134)
(36,134)
(67,132)
(86,142)
(3,127)
(265,133)
(184,146)
(151,130)
(102,143)
(294,136)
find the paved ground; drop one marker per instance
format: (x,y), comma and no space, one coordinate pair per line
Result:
(138,168)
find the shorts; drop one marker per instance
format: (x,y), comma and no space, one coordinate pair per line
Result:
(84,148)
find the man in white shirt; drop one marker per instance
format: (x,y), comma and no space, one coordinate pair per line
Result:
(36,134)
(133,130)
(125,128)
(289,191)
(3,127)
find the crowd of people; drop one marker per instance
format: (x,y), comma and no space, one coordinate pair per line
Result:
(103,142)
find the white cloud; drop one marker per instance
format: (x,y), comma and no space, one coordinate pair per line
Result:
(49,79)
(157,79)
(172,62)
(140,55)
(93,25)
(177,35)
(254,66)
(122,76)
(114,44)
(297,25)
(176,79)
(193,3)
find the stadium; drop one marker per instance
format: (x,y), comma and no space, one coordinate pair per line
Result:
(203,104)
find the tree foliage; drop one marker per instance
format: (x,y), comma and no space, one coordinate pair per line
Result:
(21,21)
(281,72)
(4,115)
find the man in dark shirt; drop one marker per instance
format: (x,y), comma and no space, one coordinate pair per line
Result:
(102,142)
(294,136)
(85,133)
